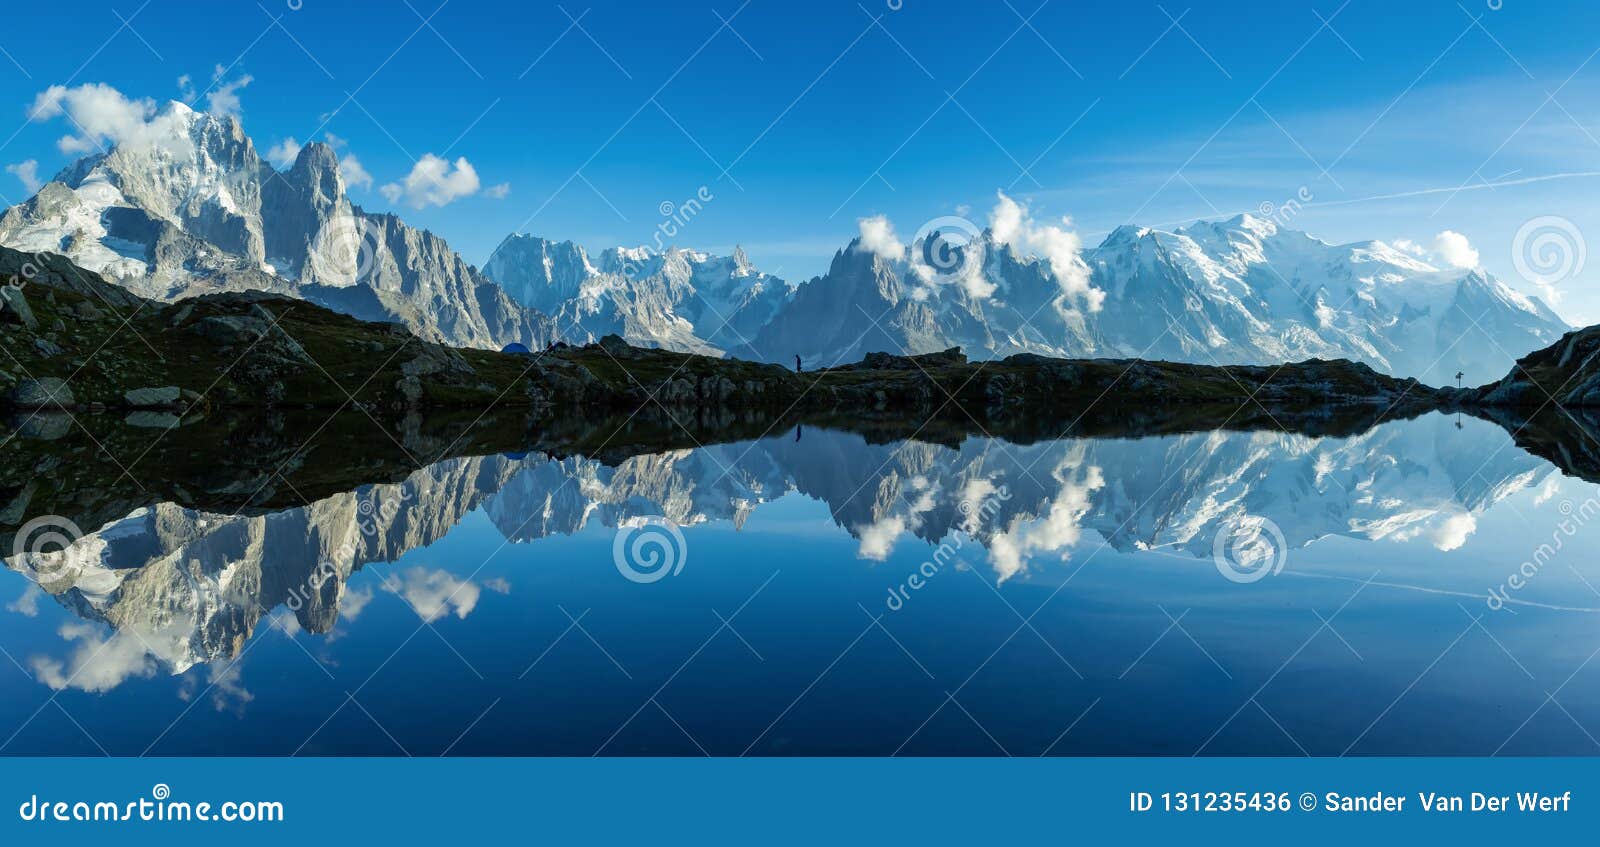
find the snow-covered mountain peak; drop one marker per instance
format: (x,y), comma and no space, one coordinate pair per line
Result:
(1259,227)
(1125,234)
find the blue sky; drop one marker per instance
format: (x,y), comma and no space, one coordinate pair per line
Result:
(799,119)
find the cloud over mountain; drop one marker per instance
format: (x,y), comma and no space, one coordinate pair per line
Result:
(434,181)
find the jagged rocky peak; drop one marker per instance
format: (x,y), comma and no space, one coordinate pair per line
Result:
(742,267)
(190,208)
(316,171)
(297,205)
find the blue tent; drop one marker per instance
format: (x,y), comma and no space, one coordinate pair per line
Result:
(514,347)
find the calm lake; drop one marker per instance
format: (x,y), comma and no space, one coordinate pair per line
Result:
(1219,593)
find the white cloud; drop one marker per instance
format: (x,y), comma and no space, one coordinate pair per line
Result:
(1406,245)
(28,604)
(1453,531)
(285,622)
(186,88)
(498,192)
(283,154)
(499,585)
(354,173)
(1011,223)
(28,172)
(434,182)
(354,602)
(434,593)
(975,493)
(224,96)
(877,236)
(1057,529)
(97,663)
(102,115)
(1454,250)
(228,693)
(878,537)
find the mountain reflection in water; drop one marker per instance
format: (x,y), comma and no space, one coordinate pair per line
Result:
(1215,592)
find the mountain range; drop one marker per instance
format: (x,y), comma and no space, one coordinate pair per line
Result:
(196,209)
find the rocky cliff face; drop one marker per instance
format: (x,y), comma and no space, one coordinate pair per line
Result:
(197,211)
(1565,374)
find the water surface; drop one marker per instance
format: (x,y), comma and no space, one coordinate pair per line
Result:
(814,593)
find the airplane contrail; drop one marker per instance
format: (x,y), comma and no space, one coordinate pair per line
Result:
(1399,195)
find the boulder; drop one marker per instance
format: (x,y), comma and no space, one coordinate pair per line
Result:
(229,330)
(43,393)
(14,307)
(147,398)
(153,420)
(435,360)
(892,362)
(46,426)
